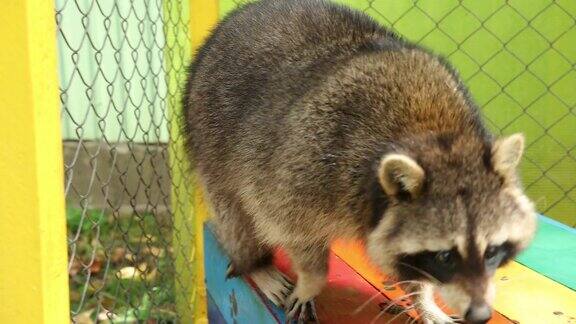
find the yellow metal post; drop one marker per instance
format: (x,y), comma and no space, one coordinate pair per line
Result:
(203,18)
(189,213)
(33,270)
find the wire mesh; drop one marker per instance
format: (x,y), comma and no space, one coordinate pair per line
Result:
(117,68)
(117,60)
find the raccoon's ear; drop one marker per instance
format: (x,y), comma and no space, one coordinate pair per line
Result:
(507,153)
(399,172)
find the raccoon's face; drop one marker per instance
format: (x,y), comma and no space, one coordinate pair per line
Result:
(454,238)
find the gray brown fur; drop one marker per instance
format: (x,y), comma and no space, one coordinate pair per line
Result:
(291,106)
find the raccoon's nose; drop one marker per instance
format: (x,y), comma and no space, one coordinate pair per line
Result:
(478,313)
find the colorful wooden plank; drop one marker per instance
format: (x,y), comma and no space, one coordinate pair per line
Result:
(553,252)
(348,298)
(522,294)
(528,297)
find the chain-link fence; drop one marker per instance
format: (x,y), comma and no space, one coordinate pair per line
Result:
(121,67)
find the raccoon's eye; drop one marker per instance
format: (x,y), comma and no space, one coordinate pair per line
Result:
(496,255)
(491,253)
(446,258)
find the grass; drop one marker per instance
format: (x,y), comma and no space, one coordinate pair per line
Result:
(121,268)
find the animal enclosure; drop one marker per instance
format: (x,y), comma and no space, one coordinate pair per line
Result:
(134,215)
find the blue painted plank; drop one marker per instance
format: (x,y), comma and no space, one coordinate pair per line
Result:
(214,314)
(235,298)
(553,252)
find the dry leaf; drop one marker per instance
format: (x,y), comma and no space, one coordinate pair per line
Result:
(106,315)
(84,317)
(96,266)
(127,273)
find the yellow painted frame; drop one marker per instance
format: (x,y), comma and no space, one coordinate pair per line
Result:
(33,266)
(189,212)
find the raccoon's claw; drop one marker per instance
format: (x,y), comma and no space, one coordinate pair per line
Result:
(273,284)
(301,312)
(230,272)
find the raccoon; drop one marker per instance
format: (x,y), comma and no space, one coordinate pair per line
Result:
(308,121)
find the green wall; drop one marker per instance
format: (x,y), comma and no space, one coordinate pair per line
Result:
(518,59)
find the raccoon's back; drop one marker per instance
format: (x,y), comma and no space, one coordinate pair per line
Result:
(258,61)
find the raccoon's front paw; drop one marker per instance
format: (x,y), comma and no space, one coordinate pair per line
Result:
(300,303)
(300,311)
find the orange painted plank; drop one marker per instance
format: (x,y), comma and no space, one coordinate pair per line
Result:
(348,297)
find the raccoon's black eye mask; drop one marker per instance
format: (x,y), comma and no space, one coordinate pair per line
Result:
(498,255)
(443,265)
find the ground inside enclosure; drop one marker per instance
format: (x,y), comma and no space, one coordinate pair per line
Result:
(122,263)
(130,268)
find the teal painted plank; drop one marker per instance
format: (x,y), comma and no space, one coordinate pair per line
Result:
(553,252)
(236,300)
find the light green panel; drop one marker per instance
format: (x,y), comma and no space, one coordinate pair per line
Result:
(517,57)
(552,252)
(111,70)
